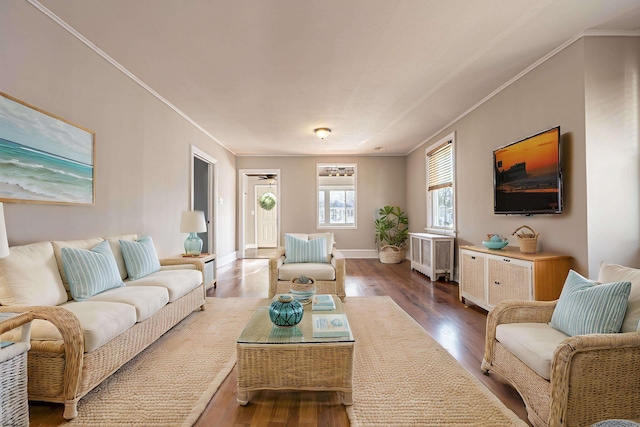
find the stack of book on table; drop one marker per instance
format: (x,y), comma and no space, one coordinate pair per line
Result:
(330,325)
(323,303)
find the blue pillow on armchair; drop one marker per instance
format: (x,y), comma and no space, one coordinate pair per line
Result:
(303,250)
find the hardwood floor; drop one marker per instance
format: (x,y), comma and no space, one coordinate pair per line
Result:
(434,305)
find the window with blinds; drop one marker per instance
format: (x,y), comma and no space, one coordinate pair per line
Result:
(440,185)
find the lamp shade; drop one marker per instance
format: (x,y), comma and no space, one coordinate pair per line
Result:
(193,222)
(4,242)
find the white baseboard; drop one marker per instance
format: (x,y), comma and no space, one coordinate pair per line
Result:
(359,253)
(226,259)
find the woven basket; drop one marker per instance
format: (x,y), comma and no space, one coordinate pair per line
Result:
(528,241)
(390,254)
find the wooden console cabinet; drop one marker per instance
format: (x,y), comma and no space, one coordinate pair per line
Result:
(432,254)
(489,276)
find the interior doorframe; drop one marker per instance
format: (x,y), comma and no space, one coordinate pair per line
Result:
(243,176)
(212,194)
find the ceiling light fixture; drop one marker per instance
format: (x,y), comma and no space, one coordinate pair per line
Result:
(322,133)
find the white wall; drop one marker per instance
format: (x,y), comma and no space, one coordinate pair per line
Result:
(551,94)
(612,83)
(142,146)
(380,182)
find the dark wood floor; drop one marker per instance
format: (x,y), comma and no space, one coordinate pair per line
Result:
(434,305)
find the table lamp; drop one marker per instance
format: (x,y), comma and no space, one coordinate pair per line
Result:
(4,242)
(193,222)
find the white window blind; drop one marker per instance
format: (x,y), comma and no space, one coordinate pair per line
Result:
(440,162)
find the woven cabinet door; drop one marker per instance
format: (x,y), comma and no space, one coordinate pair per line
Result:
(509,279)
(472,276)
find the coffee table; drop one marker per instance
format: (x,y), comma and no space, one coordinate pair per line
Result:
(275,358)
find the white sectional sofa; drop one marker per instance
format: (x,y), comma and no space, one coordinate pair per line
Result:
(83,333)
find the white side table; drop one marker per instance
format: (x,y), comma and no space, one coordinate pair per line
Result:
(14,401)
(209,262)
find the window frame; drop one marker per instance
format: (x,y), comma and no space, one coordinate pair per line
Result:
(327,189)
(449,231)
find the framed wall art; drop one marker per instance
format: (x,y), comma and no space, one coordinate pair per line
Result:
(43,158)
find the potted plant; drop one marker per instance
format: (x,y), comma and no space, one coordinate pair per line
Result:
(391,234)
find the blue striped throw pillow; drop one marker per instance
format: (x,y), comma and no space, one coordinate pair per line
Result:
(90,272)
(586,307)
(303,250)
(140,257)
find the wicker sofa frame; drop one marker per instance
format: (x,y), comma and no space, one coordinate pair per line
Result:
(335,287)
(61,372)
(593,377)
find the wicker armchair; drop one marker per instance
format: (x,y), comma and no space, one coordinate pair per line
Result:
(279,282)
(593,377)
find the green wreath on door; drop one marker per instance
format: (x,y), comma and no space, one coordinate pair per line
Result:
(267,201)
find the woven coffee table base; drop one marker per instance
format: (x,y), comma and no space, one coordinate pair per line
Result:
(313,366)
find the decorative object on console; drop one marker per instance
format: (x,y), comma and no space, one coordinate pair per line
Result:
(285,311)
(303,288)
(4,242)
(528,241)
(495,241)
(193,222)
(392,232)
(52,157)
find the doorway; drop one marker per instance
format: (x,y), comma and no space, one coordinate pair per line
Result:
(204,194)
(259,234)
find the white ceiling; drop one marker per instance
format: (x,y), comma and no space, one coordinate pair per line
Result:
(385,75)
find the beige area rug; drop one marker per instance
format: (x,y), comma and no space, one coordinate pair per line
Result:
(402,377)
(172,381)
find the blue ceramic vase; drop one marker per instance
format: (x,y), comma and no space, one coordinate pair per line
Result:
(285,311)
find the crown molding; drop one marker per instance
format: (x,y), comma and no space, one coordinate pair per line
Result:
(120,67)
(588,33)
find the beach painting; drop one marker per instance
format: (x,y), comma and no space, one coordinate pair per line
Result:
(43,158)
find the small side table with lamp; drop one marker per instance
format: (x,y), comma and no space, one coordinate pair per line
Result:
(14,400)
(193,222)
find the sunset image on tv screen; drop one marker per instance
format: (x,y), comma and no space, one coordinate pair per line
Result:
(526,174)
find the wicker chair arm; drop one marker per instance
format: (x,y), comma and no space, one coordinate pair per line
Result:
(72,335)
(274,264)
(15,322)
(338,262)
(513,312)
(587,370)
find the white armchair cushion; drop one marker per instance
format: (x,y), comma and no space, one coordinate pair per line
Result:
(29,276)
(319,271)
(532,343)
(618,273)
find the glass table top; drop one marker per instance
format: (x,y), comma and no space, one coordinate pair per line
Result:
(260,330)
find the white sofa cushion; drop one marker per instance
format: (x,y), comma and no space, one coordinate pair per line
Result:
(617,273)
(114,242)
(75,244)
(319,271)
(177,282)
(146,299)
(532,343)
(29,276)
(100,321)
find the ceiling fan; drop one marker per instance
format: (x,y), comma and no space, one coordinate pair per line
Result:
(268,178)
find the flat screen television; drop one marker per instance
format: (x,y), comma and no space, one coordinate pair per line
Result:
(527,177)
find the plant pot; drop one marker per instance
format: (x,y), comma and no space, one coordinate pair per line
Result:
(391,254)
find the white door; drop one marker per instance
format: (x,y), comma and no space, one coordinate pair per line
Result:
(266,220)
